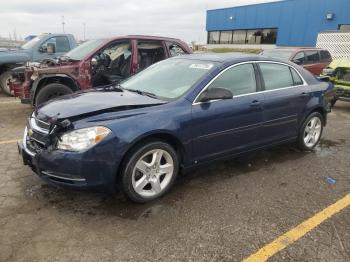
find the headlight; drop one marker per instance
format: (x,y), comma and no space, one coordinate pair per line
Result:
(82,139)
(328,72)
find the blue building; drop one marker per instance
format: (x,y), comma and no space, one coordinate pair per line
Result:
(283,23)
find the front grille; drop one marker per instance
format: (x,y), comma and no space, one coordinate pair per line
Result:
(42,124)
(37,134)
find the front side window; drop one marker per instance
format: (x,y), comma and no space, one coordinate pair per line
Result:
(239,80)
(312,57)
(276,76)
(170,78)
(299,58)
(61,44)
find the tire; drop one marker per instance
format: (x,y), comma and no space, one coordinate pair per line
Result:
(311,131)
(333,101)
(140,180)
(51,91)
(4,77)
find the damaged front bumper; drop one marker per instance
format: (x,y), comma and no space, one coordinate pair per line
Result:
(88,170)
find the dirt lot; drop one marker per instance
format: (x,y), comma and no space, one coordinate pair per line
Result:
(224,212)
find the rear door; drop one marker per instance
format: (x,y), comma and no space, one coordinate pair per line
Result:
(313,62)
(228,126)
(285,97)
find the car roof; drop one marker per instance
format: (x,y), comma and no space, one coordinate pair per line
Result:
(144,37)
(229,57)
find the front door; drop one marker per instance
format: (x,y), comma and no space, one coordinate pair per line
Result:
(228,126)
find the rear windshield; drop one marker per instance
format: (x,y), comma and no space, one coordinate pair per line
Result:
(84,49)
(278,54)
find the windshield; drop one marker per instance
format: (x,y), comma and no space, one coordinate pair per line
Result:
(278,54)
(82,50)
(169,78)
(31,43)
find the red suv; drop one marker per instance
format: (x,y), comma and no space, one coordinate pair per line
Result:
(95,63)
(312,59)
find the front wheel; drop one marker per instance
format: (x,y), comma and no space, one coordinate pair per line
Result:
(5,77)
(150,171)
(311,131)
(51,91)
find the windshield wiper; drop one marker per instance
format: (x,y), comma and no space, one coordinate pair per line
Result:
(144,93)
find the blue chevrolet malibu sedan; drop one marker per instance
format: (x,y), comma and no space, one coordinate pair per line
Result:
(176,114)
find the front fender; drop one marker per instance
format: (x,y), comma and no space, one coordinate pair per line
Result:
(36,83)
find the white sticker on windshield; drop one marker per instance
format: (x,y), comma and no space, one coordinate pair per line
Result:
(201,66)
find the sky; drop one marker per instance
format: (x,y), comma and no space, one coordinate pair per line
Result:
(103,18)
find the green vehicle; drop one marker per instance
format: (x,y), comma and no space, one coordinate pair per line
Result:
(338,72)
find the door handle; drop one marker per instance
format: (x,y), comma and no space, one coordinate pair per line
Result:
(303,94)
(255,103)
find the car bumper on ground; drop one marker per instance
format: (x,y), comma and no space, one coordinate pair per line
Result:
(70,170)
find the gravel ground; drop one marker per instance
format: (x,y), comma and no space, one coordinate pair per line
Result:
(223,212)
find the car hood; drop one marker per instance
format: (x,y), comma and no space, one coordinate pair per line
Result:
(93,102)
(16,56)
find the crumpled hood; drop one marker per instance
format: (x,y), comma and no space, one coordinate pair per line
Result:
(93,102)
(14,56)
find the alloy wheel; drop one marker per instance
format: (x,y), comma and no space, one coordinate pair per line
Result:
(312,131)
(152,173)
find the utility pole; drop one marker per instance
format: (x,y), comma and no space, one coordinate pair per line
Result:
(63,23)
(84,25)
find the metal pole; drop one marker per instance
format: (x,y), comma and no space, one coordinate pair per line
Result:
(63,23)
(84,30)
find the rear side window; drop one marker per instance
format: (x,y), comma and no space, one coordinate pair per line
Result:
(312,57)
(175,49)
(276,76)
(325,56)
(296,78)
(239,80)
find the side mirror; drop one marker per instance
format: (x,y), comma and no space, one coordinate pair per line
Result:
(94,61)
(216,93)
(51,48)
(41,49)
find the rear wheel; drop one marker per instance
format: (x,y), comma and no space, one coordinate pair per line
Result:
(150,171)
(51,91)
(4,81)
(311,131)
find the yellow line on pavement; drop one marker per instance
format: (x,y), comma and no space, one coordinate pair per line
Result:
(299,231)
(8,142)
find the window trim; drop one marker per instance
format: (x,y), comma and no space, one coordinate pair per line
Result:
(254,62)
